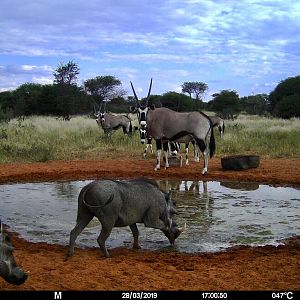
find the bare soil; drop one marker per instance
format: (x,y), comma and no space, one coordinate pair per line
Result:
(241,268)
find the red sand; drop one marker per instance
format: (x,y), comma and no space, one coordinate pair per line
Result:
(243,268)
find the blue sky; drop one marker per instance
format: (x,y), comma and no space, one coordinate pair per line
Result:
(246,45)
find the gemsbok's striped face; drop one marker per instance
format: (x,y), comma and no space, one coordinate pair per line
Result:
(142,116)
(100,118)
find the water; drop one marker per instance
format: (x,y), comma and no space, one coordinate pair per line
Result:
(218,215)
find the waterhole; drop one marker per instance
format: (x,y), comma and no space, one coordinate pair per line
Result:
(218,215)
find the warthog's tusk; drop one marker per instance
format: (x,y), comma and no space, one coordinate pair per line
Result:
(182,229)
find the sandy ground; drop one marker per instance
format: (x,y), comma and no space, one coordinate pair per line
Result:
(243,268)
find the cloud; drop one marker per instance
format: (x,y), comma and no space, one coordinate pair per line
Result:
(227,41)
(11,76)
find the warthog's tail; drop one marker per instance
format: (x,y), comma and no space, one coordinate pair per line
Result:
(98,206)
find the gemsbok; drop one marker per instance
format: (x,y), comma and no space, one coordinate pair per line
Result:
(163,125)
(217,121)
(110,122)
(174,148)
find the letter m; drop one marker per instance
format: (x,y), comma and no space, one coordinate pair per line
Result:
(57,295)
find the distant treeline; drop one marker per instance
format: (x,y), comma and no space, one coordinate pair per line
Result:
(64,99)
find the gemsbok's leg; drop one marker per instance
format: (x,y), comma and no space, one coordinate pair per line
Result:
(205,152)
(166,153)
(158,154)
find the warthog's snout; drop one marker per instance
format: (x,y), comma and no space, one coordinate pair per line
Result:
(17,276)
(174,232)
(8,267)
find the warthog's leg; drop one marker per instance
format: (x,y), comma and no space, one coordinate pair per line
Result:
(135,233)
(81,223)
(104,234)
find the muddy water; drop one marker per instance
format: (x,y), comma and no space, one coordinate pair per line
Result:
(218,215)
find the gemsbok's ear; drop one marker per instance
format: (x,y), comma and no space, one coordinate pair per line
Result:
(152,106)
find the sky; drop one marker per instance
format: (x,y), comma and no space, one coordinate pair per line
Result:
(248,46)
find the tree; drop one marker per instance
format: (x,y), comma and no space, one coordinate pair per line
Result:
(283,99)
(103,87)
(7,100)
(288,107)
(180,102)
(27,98)
(226,104)
(66,73)
(194,87)
(65,77)
(255,104)
(187,87)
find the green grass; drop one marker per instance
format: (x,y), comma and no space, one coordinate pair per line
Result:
(262,136)
(41,139)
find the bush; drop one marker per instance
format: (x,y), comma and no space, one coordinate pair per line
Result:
(288,107)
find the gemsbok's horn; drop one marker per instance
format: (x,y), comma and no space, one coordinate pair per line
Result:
(135,96)
(149,92)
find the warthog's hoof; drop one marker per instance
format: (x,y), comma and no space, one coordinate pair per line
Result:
(240,162)
(136,246)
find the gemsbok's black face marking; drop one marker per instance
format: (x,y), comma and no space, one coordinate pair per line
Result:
(142,115)
(143,135)
(101,117)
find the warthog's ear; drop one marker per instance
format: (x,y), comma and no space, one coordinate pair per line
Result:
(152,106)
(132,109)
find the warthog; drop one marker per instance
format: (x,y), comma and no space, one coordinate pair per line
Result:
(8,267)
(119,203)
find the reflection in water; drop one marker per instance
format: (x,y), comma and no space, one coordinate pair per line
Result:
(218,215)
(242,186)
(66,189)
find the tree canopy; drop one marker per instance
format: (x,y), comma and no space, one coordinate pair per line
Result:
(226,104)
(255,104)
(194,87)
(66,73)
(285,98)
(103,88)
